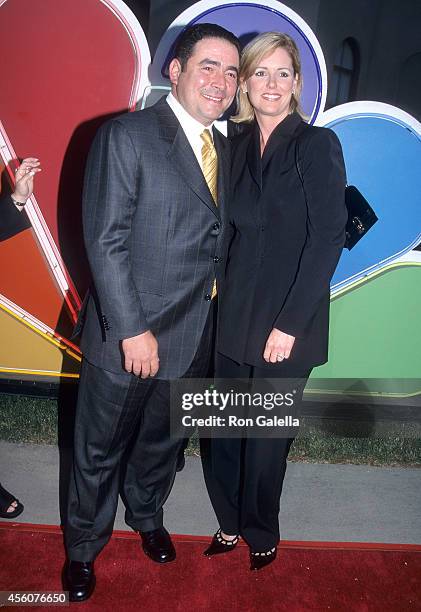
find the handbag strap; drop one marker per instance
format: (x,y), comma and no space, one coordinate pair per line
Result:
(297,159)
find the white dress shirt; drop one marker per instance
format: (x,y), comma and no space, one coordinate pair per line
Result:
(191,127)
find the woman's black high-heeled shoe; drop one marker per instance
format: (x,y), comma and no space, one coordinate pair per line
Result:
(7,500)
(259,560)
(220,545)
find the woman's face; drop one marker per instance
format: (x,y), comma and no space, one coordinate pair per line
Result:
(271,85)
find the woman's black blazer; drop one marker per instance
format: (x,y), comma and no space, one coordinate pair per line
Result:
(287,239)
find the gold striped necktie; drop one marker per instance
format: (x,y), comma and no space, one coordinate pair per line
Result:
(210,164)
(210,172)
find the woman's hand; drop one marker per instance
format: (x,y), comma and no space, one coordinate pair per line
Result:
(278,346)
(24,178)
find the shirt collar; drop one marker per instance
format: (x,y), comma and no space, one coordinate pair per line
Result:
(189,124)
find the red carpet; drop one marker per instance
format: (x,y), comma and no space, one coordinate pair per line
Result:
(307,576)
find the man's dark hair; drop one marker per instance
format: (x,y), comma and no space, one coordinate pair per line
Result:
(184,47)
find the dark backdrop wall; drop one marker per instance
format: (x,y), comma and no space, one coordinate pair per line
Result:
(372,47)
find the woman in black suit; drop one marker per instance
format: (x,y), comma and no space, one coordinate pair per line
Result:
(12,222)
(288,216)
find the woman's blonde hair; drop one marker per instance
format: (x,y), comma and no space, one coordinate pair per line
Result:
(252,54)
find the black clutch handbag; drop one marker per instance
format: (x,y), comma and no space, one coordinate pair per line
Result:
(361,217)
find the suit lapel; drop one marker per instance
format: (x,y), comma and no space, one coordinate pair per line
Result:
(281,135)
(224,162)
(257,164)
(254,161)
(181,155)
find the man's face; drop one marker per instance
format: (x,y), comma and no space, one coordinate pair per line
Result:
(207,85)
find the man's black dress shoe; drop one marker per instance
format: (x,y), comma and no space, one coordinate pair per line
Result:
(220,545)
(79,580)
(260,560)
(157,545)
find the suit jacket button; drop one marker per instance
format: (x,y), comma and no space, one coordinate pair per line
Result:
(208,297)
(216,226)
(216,259)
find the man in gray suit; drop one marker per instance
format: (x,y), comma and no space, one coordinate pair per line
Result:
(154,227)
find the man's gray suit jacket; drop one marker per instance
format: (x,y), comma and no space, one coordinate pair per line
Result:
(154,237)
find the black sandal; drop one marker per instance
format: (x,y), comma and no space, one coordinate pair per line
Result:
(6,500)
(220,545)
(259,560)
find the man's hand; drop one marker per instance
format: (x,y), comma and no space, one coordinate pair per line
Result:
(141,355)
(24,178)
(278,346)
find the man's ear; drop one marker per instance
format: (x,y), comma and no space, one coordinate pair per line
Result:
(174,71)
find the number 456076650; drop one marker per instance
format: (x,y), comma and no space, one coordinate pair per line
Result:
(33,598)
